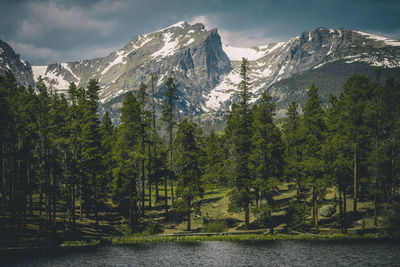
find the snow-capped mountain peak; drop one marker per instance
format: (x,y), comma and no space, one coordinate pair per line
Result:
(207,72)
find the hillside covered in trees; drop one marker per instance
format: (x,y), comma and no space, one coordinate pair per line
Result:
(67,171)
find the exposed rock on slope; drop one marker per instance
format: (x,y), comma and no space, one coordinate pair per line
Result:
(21,69)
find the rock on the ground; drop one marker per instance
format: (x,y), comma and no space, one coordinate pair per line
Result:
(327,210)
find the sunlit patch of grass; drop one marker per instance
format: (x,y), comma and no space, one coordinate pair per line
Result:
(243,237)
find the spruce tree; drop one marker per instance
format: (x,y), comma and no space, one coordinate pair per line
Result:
(125,155)
(187,163)
(312,164)
(266,157)
(91,148)
(239,133)
(168,109)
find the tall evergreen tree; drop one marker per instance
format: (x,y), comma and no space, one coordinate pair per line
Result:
(293,141)
(107,141)
(91,147)
(125,151)
(168,117)
(239,133)
(312,164)
(187,162)
(356,116)
(266,157)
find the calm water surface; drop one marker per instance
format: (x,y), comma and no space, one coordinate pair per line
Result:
(249,253)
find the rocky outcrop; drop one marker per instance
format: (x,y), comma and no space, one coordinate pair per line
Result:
(10,61)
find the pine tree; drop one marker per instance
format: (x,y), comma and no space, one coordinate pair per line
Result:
(239,133)
(144,138)
(337,155)
(107,141)
(169,119)
(266,157)
(357,114)
(125,155)
(214,161)
(312,164)
(91,148)
(187,163)
(153,139)
(293,141)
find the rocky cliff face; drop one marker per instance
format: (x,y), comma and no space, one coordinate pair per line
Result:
(189,53)
(207,72)
(10,61)
(273,64)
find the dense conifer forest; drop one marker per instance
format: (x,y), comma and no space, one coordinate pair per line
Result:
(63,164)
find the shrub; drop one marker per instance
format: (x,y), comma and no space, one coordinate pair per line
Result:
(297,216)
(263,216)
(391,221)
(153,228)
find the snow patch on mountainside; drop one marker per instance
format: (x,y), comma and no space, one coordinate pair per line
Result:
(223,91)
(237,53)
(57,80)
(169,48)
(385,40)
(39,71)
(65,66)
(118,60)
(273,48)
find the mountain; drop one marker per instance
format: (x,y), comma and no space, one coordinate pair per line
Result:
(21,69)
(206,72)
(189,53)
(324,56)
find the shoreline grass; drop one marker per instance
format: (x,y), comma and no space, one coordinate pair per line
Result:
(127,240)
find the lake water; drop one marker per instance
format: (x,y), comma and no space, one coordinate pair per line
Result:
(248,253)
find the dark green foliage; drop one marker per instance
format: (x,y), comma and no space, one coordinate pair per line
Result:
(168,117)
(263,216)
(126,171)
(312,130)
(391,221)
(55,155)
(187,162)
(297,216)
(239,133)
(153,228)
(215,160)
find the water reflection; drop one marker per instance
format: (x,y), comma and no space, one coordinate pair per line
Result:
(243,253)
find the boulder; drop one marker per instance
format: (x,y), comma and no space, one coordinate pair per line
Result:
(327,210)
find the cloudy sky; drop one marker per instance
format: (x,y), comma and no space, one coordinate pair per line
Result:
(46,31)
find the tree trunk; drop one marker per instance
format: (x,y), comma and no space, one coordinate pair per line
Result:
(131,224)
(3,193)
(246,216)
(40,202)
(170,164)
(157,193)
(149,173)
(189,219)
(345,211)
(143,177)
(393,174)
(166,196)
(73,204)
(80,204)
(340,219)
(316,213)
(54,203)
(95,202)
(355,179)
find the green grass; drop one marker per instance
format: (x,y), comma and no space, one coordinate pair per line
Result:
(155,239)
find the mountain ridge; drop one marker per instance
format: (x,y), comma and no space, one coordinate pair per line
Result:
(206,71)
